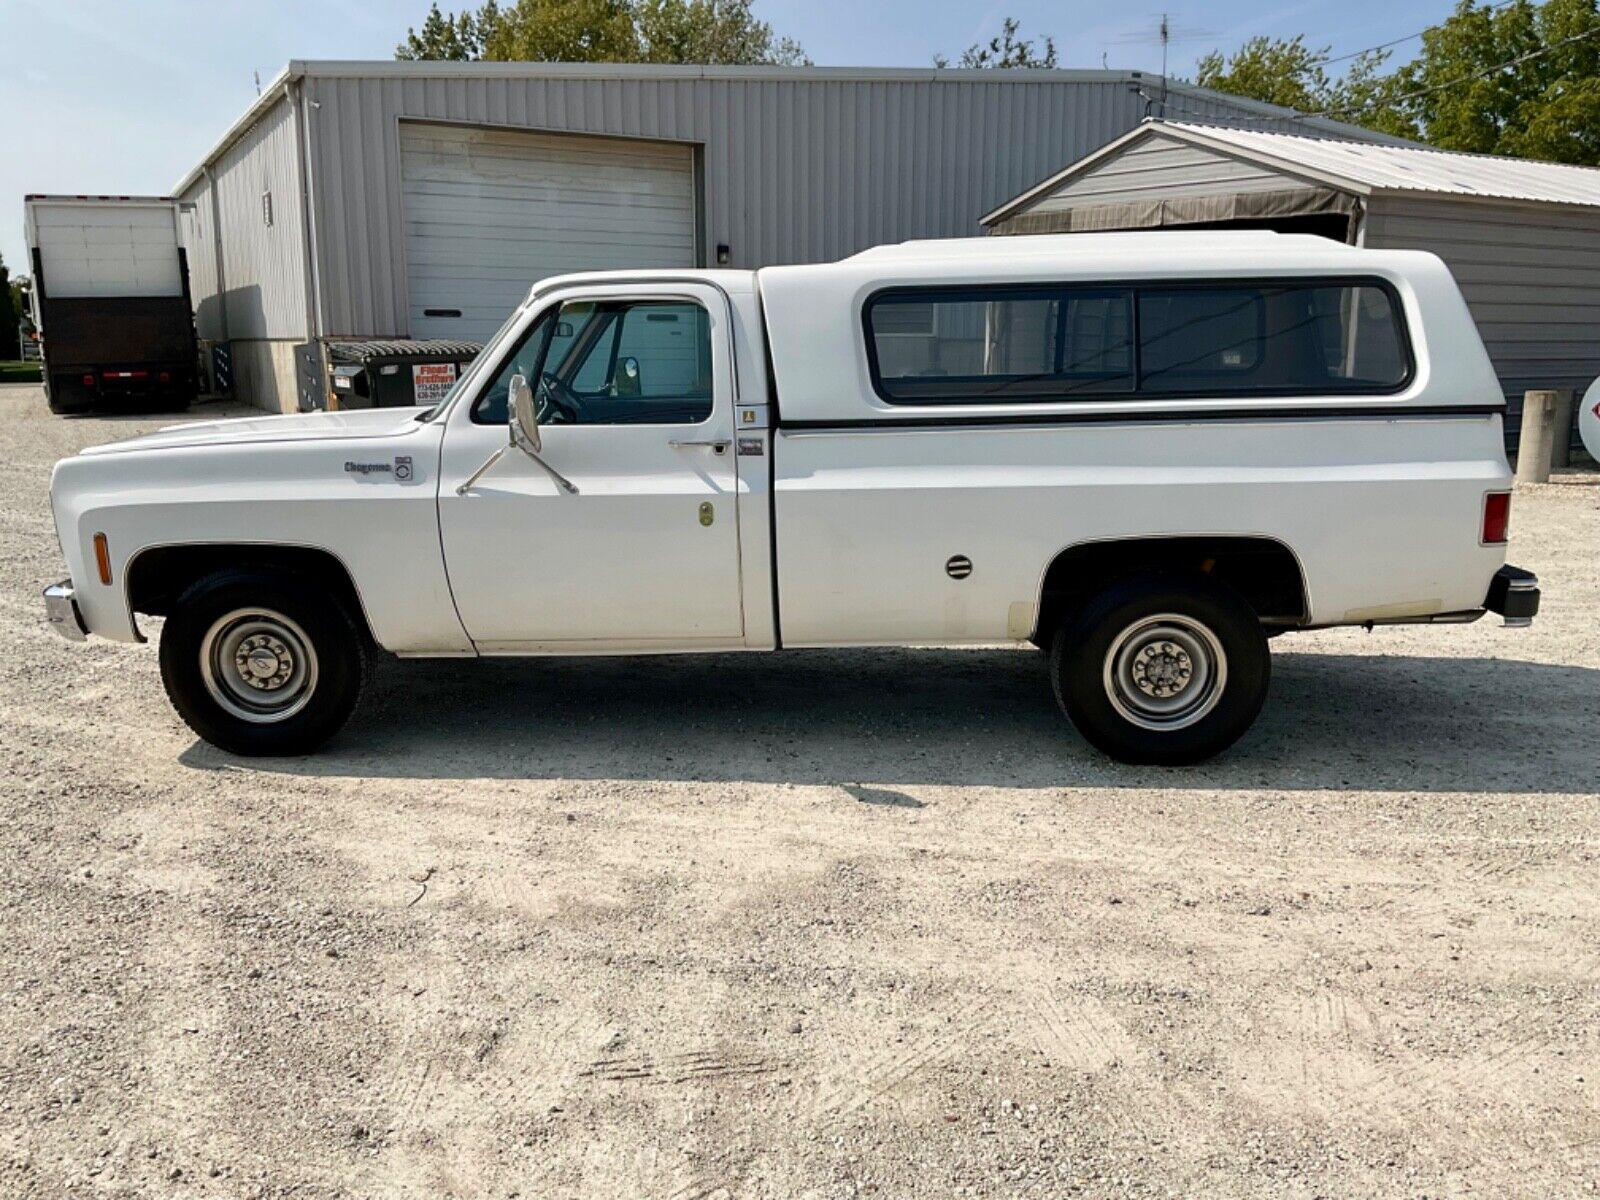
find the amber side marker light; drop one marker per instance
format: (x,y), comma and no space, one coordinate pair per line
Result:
(1496,518)
(102,557)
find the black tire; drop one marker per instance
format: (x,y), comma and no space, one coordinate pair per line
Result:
(65,399)
(1123,668)
(236,621)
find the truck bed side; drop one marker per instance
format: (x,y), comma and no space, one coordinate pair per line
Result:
(1379,498)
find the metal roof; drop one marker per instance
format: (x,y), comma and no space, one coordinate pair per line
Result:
(1363,168)
(1409,168)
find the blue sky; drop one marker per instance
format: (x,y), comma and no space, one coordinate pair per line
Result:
(124,96)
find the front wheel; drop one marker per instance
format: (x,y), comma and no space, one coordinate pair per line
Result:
(261,664)
(1163,670)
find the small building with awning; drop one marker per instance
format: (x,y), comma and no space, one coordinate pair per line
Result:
(1522,238)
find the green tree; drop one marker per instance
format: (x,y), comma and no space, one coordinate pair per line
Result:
(560,31)
(1520,79)
(454,38)
(657,31)
(706,31)
(1007,50)
(1270,70)
(1289,73)
(1368,96)
(9,315)
(1523,80)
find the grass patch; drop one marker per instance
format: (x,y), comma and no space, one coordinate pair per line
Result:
(19,372)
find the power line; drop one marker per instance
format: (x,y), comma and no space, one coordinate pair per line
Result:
(1320,62)
(1387,100)
(1439,87)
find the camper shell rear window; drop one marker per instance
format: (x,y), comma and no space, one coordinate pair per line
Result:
(1002,344)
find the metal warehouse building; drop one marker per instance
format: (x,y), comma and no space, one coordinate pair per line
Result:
(1522,238)
(421,200)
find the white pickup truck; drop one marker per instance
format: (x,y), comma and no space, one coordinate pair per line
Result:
(1144,453)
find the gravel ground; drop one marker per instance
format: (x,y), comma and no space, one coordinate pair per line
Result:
(810,925)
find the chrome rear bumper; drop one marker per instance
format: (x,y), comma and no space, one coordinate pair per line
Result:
(61,611)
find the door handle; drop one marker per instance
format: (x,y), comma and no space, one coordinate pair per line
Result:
(718,445)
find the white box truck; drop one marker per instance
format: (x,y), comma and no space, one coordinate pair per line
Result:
(111,300)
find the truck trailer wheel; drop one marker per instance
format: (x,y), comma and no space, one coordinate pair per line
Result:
(261,664)
(1163,670)
(66,398)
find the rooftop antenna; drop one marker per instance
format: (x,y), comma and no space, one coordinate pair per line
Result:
(1168,32)
(258,81)
(1166,36)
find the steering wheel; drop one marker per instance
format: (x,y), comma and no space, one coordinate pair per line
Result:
(555,396)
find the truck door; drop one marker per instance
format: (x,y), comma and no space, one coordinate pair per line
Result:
(634,389)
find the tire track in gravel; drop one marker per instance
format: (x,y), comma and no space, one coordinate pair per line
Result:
(506,1071)
(1081,1035)
(690,1066)
(874,1075)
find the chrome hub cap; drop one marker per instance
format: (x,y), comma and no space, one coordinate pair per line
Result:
(1165,672)
(258,665)
(264,662)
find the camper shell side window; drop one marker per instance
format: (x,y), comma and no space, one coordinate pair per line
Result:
(1145,340)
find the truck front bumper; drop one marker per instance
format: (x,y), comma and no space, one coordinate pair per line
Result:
(1514,594)
(61,611)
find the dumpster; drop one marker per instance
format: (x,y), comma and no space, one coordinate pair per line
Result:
(395,374)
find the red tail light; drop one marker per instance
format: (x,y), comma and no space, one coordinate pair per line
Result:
(88,381)
(1496,518)
(164,377)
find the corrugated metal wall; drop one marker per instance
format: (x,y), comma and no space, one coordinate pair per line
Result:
(1530,275)
(263,265)
(199,241)
(795,169)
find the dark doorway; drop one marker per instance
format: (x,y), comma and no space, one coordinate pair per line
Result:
(1337,226)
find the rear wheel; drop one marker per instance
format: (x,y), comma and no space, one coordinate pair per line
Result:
(66,397)
(1163,670)
(261,664)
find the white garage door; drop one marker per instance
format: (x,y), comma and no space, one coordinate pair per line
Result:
(489,212)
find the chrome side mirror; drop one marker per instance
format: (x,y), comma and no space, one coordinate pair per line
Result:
(523,417)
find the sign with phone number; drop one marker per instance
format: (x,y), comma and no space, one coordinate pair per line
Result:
(431,382)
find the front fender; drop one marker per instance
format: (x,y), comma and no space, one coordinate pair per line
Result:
(326,494)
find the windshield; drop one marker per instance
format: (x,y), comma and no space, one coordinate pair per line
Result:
(489,351)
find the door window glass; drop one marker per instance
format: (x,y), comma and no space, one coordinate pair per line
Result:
(491,406)
(630,362)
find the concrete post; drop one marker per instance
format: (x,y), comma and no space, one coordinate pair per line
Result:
(1538,435)
(1561,445)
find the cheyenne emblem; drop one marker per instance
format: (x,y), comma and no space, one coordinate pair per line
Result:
(400,468)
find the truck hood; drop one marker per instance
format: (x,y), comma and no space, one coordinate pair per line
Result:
(299,427)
